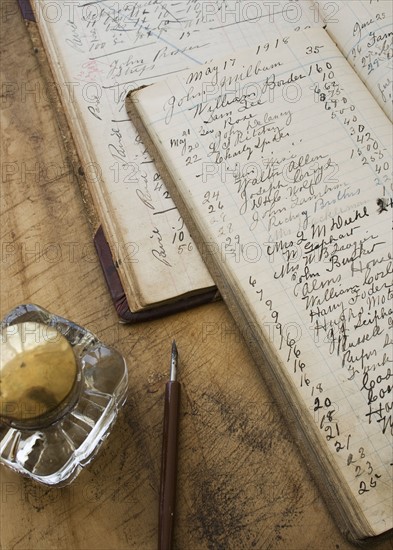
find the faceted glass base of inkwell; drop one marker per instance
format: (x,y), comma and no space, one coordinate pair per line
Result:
(60,392)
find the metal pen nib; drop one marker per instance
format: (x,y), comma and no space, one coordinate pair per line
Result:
(174,357)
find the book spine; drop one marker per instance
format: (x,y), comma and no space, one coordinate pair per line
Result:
(26,10)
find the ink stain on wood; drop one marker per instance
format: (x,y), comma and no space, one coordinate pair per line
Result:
(220,503)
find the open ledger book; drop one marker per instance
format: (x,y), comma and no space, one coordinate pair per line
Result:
(279,159)
(99,51)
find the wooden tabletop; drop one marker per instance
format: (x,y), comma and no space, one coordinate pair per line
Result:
(242,483)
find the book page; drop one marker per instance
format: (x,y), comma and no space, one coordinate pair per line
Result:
(286,175)
(99,52)
(363,30)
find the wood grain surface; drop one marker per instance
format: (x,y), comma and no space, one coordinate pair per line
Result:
(242,483)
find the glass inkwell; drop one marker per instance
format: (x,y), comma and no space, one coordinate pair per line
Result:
(60,393)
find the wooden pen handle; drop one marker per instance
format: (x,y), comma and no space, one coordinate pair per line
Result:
(168,465)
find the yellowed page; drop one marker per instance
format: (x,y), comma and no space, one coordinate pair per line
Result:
(363,30)
(289,184)
(99,52)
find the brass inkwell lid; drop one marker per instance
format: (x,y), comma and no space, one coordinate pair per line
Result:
(38,374)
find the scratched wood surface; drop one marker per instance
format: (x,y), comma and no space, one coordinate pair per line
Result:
(241,483)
